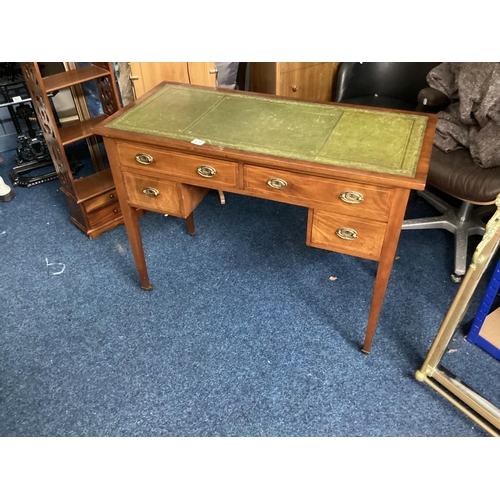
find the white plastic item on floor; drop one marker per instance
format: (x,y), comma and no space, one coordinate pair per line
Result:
(6,193)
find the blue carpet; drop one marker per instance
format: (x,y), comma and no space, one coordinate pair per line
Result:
(245,334)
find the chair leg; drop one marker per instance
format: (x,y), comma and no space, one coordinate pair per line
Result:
(435,201)
(461,240)
(463,222)
(484,211)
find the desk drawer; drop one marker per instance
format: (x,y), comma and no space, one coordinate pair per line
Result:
(152,194)
(342,196)
(345,234)
(161,195)
(190,169)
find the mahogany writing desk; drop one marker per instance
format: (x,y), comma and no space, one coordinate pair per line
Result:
(353,167)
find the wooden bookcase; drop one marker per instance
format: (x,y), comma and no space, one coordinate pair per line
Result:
(92,200)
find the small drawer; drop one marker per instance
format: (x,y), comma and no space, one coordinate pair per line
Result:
(149,193)
(104,214)
(99,201)
(345,234)
(191,169)
(345,197)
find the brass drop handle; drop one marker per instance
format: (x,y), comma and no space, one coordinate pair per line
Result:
(346,233)
(206,171)
(151,191)
(143,159)
(352,197)
(277,183)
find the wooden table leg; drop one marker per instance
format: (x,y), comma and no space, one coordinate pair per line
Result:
(385,263)
(190,224)
(381,281)
(131,219)
(130,216)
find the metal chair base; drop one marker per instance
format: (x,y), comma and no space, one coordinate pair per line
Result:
(463,222)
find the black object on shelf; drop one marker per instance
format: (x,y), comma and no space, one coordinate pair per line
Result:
(32,152)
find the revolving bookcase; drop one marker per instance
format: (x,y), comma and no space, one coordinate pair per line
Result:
(92,200)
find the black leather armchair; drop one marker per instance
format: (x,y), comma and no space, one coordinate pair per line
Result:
(404,86)
(382,84)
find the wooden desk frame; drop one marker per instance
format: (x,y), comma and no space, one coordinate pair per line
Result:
(240,171)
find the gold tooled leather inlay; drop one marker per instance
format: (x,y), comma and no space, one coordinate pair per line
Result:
(378,141)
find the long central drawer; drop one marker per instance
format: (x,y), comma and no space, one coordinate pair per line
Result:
(188,168)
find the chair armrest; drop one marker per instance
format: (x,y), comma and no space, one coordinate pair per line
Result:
(432,98)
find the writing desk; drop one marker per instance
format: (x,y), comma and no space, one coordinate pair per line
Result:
(353,167)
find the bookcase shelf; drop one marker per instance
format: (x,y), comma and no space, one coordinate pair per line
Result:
(74,77)
(79,130)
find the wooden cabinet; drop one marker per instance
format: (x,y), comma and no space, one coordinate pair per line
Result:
(92,199)
(146,75)
(303,80)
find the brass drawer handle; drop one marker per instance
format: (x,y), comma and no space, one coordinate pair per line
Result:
(277,183)
(151,191)
(143,159)
(206,171)
(352,197)
(346,233)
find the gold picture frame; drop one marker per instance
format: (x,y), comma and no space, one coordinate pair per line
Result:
(478,408)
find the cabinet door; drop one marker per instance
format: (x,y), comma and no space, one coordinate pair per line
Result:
(307,80)
(146,75)
(303,80)
(263,77)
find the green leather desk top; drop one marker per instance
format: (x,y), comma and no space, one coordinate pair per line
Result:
(377,141)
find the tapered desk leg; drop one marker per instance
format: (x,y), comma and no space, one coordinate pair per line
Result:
(131,219)
(381,281)
(130,216)
(190,225)
(385,263)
